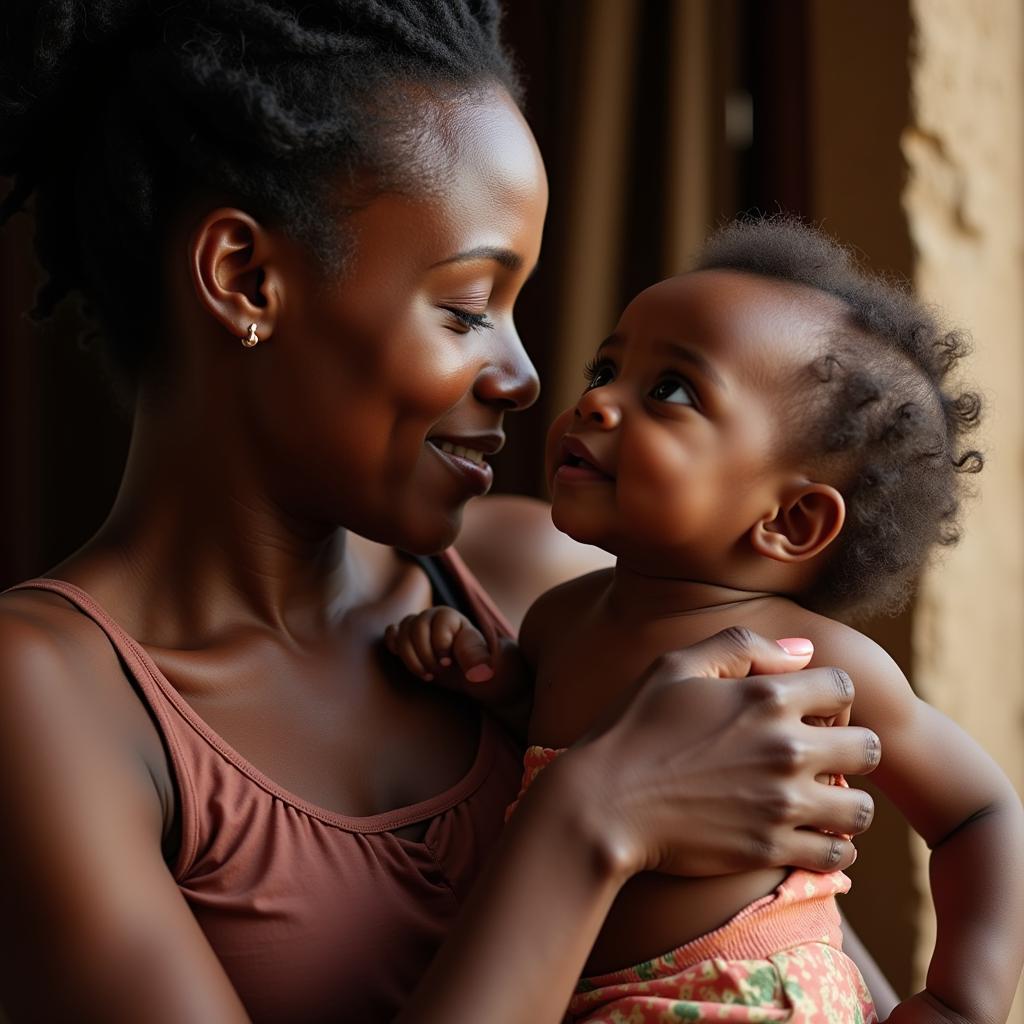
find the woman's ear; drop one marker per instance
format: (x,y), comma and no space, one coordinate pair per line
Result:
(229,252)
(804,525)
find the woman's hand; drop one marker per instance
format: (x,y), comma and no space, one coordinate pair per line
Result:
(660,787)
(737,785)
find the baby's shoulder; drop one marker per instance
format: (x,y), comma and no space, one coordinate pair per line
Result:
(836,645)
(550,610)
(583,590)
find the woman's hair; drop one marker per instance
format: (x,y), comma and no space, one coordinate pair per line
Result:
(883,419)
(114,112)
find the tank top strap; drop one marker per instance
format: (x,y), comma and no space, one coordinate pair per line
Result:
(489,618)
(164,703)
(140,666)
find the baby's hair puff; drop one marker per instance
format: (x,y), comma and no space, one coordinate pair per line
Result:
(884,422)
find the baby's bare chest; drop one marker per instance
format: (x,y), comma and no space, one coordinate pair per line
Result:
(586,670)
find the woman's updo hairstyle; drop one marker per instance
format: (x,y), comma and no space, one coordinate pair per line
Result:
(112,112)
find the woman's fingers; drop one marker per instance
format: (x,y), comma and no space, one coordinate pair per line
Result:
(839,810)
(734,653)
(817,851)
(814,692)
(789,804)
(842,750)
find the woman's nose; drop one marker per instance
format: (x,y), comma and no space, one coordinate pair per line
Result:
(599,407)
(510,378)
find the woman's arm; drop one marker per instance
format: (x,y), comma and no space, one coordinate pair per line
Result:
(513,548)
(97,930)
(732,791)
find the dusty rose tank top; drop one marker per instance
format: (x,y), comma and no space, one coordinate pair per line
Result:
(316,916)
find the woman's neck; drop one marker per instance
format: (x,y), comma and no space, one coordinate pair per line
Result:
(194,527)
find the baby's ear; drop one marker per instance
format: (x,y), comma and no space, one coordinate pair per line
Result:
(809,519)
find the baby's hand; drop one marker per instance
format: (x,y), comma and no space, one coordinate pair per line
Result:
(443,644)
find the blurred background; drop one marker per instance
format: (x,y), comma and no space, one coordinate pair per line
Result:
(897,125)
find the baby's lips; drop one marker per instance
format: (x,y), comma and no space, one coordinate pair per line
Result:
(479,674)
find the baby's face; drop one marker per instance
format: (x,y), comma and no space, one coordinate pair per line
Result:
(685,433)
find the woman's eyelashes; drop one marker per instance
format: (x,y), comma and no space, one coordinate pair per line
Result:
(469,320)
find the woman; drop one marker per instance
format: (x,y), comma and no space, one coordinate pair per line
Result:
(303,230)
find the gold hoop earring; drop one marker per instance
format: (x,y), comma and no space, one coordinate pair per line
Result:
(251,338)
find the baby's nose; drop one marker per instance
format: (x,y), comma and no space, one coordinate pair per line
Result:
(598,406)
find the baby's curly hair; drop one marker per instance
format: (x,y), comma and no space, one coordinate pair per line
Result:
(113,112)
(888,427)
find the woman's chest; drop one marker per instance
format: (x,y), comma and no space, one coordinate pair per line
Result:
(343,726)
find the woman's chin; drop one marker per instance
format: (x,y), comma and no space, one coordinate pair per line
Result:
(430,538)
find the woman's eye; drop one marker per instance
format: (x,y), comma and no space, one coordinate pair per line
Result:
(474,321)
(598,374)
(673,391)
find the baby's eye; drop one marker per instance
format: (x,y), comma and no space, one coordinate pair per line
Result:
(674,391)
(598,374)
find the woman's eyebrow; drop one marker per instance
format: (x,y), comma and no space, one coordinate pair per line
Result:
(506,257)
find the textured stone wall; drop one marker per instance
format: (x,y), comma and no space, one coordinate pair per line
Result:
(964,203)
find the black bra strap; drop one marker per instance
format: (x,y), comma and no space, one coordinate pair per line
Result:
(442,586)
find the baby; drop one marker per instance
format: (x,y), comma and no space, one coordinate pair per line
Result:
(766,442)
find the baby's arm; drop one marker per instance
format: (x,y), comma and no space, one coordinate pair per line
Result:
(967,811)
(441,643)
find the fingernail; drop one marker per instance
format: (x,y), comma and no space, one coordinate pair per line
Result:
(797,646)
(428,677)
(479,673)
(446,662)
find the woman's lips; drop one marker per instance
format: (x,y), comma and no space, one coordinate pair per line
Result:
(474,455)
(466,461)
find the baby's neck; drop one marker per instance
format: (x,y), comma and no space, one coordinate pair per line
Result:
(637,594)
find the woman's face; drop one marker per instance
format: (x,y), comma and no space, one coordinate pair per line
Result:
(381,394)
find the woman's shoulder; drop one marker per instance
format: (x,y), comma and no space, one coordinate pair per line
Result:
(511,545)
(57,669)
(41,634)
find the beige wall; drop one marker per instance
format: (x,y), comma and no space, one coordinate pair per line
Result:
(964,147)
